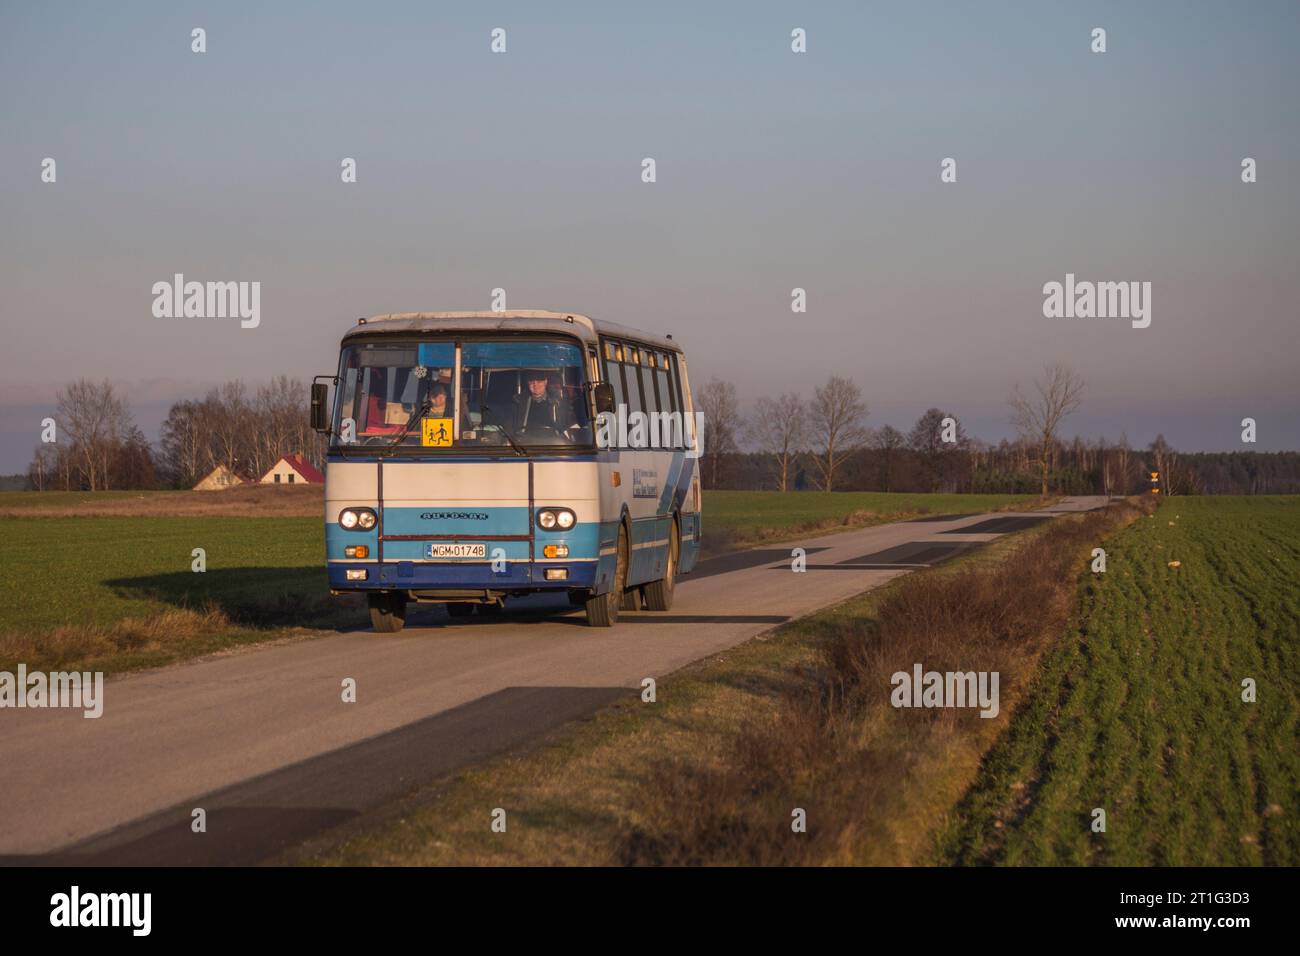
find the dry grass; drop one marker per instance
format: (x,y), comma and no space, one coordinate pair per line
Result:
(168,634)
(873,779)
(248,501)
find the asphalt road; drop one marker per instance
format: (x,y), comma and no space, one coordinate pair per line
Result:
(263,742)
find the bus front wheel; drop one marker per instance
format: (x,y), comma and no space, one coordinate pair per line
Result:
(387,611)
(602,609)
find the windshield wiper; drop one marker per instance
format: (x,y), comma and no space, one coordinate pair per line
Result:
(424,408)
(483,410)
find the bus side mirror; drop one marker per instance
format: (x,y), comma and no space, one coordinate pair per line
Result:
(602,397)
(319,414)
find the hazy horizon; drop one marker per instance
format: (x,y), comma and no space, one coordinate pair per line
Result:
(775,170)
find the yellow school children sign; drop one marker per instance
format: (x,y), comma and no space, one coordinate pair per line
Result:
(435,433)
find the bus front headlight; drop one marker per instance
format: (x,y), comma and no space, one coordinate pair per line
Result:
(357,519)
(548,519)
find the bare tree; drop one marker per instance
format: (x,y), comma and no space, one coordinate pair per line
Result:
(1107,466)
(722,423)
(43,471)
(778,428)
(1037,417)
(281,408)
(1174,477)
(95,420)
(889,441)
(231,425)
(836,416)
(185,446)
(939,458)
(1124,463)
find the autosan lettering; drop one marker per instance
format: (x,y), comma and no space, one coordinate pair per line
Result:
(103,909)
(208,300)
(76,690)
(453,516)
(622,429)
(1098,300)
(946,689)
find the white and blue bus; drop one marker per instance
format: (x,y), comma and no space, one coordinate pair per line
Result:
(480,456)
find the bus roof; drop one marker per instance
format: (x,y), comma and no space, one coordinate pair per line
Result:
(514,320)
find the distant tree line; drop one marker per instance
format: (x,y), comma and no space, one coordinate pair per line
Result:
(98,445)
(787,443)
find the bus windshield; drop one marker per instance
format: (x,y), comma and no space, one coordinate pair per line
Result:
(511,393)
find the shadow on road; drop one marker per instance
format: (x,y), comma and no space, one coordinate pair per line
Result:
(259,819)
(251,597)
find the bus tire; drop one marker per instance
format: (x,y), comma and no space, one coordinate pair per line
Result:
(659,594)
(387,611)
(459,608)
(602,609)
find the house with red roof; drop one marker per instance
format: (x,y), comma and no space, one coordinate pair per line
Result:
(293,470)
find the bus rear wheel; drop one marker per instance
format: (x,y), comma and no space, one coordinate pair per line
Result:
(602,609)
(659,594)
(387,611)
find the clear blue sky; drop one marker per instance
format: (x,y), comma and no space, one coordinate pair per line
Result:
(775,170)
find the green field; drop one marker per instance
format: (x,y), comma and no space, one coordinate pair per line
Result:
(100,570)
(1141,713)
(120,592)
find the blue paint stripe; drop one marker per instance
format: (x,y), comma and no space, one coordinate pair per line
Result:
(497,520)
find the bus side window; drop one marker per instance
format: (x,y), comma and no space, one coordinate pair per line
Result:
(613,374)
(667,401)
(675,383)
(652,403)
(632,380)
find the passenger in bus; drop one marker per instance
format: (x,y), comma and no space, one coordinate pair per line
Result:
(439,402)
(441,405)
(541,408)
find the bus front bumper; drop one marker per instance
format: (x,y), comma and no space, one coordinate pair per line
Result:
(518,576)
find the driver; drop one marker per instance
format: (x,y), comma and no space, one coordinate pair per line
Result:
(541,407)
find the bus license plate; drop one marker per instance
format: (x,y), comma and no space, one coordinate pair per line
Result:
(455,550)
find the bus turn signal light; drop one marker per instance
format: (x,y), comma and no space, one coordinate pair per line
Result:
(356,551)
(556,551)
